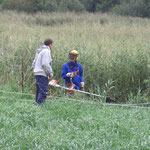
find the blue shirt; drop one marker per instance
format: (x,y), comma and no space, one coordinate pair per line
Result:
(76,80)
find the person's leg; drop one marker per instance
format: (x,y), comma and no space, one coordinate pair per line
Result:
(42,88)
(37,88)
(37,92)
(70,86)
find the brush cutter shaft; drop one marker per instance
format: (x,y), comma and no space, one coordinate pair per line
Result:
(79,91)
(59,86)
(88,93)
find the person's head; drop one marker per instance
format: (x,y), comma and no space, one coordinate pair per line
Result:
(48,42)
(73,56)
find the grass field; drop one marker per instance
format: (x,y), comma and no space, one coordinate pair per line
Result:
(114,52)
(59,124)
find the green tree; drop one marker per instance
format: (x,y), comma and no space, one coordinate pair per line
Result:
(90,5)
(106,5)
(38,5)
(20,5)
(138,8)
(50,5)
(70,5)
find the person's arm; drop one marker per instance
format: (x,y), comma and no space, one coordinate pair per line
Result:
(34,61)
(47,67)
(64,72)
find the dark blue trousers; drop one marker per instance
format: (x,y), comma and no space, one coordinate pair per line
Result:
(42,88)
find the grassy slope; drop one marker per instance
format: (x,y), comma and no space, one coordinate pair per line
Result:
(71,125)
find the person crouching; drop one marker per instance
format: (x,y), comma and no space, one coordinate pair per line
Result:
(72,73)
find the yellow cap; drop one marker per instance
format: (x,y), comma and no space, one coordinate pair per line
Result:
(74,52)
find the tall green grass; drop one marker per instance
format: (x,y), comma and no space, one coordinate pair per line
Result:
(113,50)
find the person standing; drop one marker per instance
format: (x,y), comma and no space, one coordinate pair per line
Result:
(42,68)
(72,73)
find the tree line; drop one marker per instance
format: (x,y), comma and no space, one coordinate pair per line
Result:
(138,8)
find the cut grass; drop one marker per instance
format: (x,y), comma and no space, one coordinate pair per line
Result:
(59,124)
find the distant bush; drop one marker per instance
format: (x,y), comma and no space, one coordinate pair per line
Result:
(20,5)
(139,8)
(70,5)
(136,8)
(90,5)
(106,5)
(40,5)
(50,6)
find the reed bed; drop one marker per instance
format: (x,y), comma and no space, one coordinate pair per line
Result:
(113,50)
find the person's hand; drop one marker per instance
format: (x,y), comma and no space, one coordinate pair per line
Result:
(70,74)
(82,84)
(50,77)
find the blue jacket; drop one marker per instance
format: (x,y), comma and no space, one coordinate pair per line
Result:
(76,79)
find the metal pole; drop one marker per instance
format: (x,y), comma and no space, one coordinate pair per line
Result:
(22,74)
(59,86)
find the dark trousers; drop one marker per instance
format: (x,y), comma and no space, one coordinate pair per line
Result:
(42,88)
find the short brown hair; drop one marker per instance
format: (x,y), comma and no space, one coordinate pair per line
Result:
(47,42)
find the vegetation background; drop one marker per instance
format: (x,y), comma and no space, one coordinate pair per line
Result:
(139,8)
(114,50)
(112,37)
